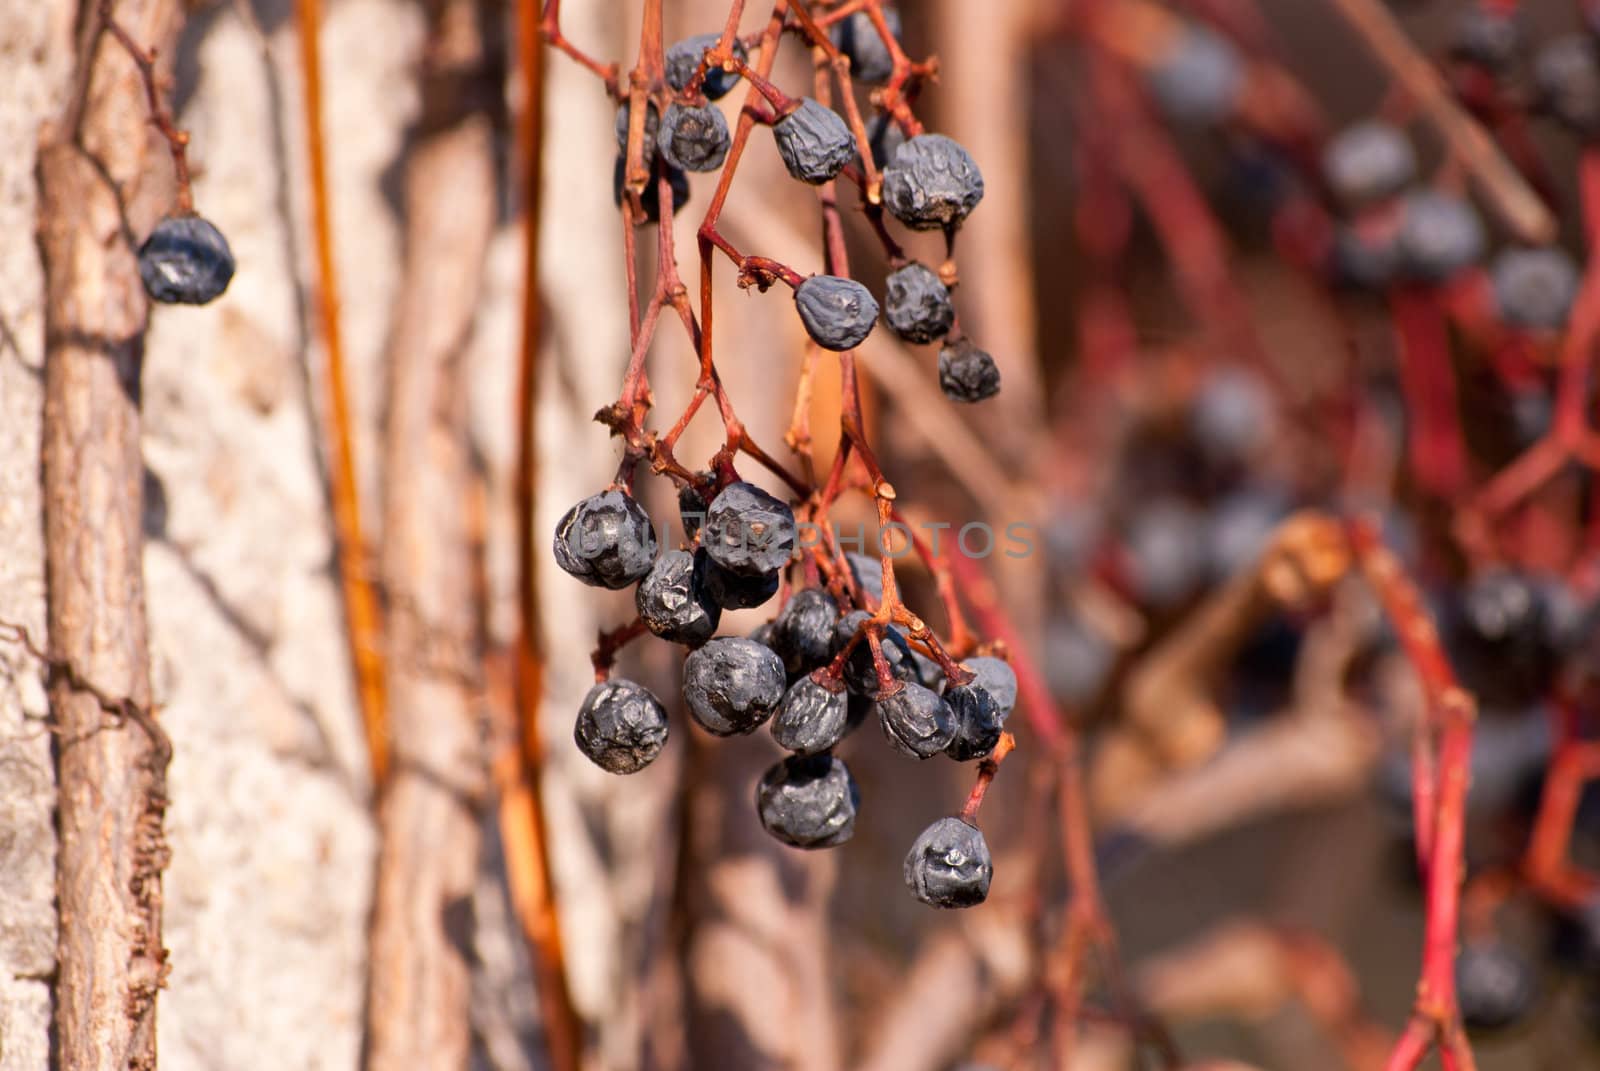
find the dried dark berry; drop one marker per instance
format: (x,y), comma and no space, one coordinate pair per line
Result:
(1440,234)
(683,59)
(1197,77)
(606,540)
(811,719)
(1487,35)
(185,261)
(693,138)
(884,138)
(837,313)
(858,38)
(808,801)
(1507,655)
(1495,985)
(978,720)
(652,123)
(1534,288)
(803,632)
(650,198)
(932,183)
(814,142)
(916,721)
(966,373)
(996,677)
(733,591)
(621,726)
(1368,162)
(748,531)
(868,572)
(732,685)
(763,634)
(949,865)
(673,602)
(1567,76)
(917,304)
(860,672)
(693,504)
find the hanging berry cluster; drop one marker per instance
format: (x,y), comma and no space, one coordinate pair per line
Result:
(842,647)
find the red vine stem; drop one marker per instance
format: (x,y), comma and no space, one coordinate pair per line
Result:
(1438,454)
(360,601)
(177,140)
(1449,716)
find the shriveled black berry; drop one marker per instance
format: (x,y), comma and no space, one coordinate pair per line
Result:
(693,504)
(917,304)
(858,38)
(808,801)
(732,685)
(652,124)
(916,721)
(1506,653)
(1495,985)
(803,632)
(978,720)
(185,261)
(860,672)
(694,138)
(606,540)
(838,313)
(683,59)
(673,602)
(650,198)
(932,183)
(811,718)
(762,634)
(748,531)
(814,142)
(966,373)
(1567,77)
(949,865)
(1440,234)
(734,591)
(996,677)
(868,573)
(621,726)
(1488,36)
(1368,162)
(1534,288)
(1197,78)
(884,138)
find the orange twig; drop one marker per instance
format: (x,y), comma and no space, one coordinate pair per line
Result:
(522,821)
(360,601)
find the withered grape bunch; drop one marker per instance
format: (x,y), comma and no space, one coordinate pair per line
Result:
(840,648)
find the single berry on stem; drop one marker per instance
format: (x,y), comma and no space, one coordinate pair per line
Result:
(732,685)
(917,304)
(932,183)
(606,540)
(683,59)
(185,261)
(949,865)
(814,142)
(812,717)
(673,602)
(747,531)
(621,727)
(803,631)
(808,801)
(693,138)
(915,721)
(966,373)
(837,313)
(858,38)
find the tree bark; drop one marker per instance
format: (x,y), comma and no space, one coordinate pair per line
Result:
(111,770)
(428,818)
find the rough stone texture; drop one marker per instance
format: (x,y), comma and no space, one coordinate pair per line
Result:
(34,53)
